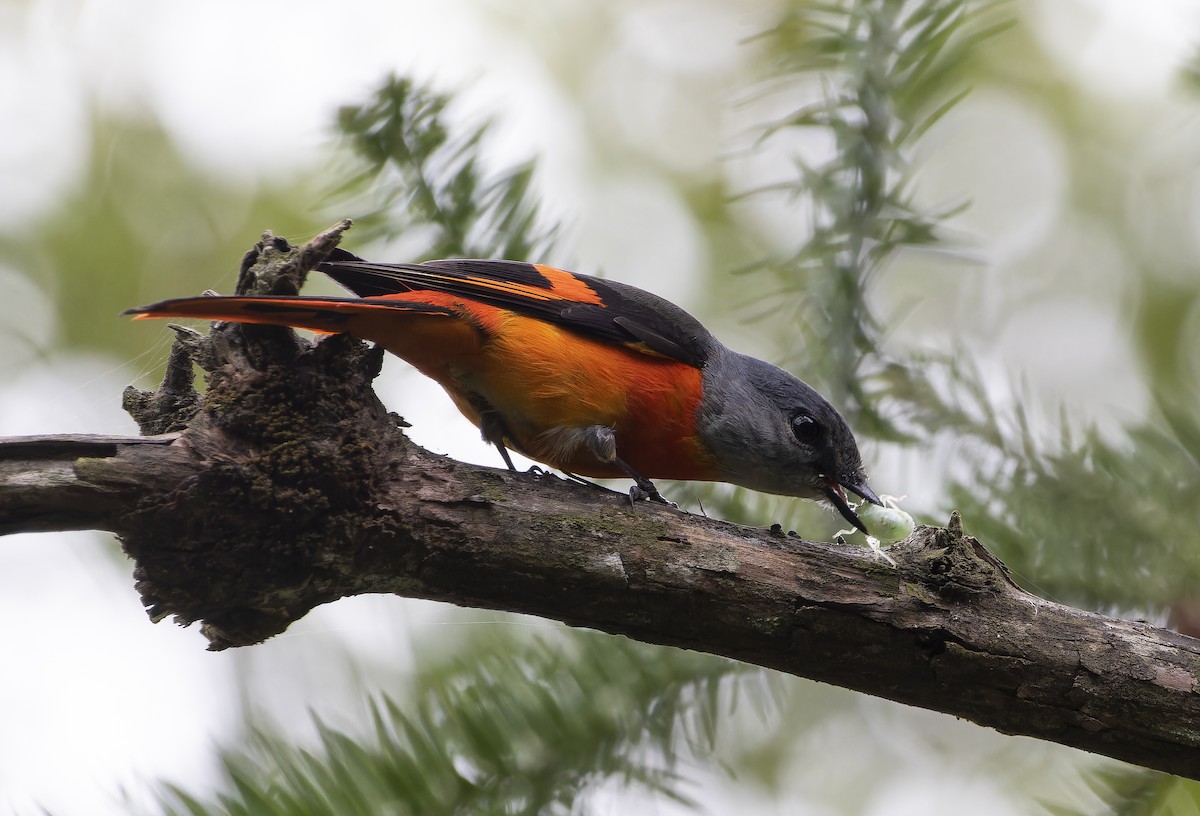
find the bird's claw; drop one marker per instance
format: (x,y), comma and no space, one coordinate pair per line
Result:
(648,492)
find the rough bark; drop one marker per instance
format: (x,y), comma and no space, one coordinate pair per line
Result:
(289,485)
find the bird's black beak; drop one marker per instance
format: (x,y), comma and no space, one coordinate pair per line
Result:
(833,491)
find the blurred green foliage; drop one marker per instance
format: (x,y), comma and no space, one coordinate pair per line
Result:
(144,223)
(504,725)
(1135,792)
(890,70)
(427,182)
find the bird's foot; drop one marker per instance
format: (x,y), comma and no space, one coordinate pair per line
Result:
(644,490)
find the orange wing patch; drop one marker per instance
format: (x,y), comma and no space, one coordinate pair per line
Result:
(564,286)
(567,286)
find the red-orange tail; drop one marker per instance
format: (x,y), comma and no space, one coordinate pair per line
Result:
(322,314)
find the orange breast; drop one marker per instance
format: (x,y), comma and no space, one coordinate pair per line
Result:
(540,377)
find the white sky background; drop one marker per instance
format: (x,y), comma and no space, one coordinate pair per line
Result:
(92,697)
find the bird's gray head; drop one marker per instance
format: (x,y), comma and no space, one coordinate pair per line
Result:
(772,432)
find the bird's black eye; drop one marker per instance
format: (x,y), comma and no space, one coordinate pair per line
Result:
(806,428)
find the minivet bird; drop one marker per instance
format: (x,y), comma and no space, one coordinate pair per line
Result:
(591,376)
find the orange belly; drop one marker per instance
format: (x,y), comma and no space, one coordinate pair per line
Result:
(540,378)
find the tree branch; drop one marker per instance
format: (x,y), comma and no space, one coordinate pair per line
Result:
(292,486)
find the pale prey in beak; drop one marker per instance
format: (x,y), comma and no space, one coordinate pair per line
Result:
(833,491)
